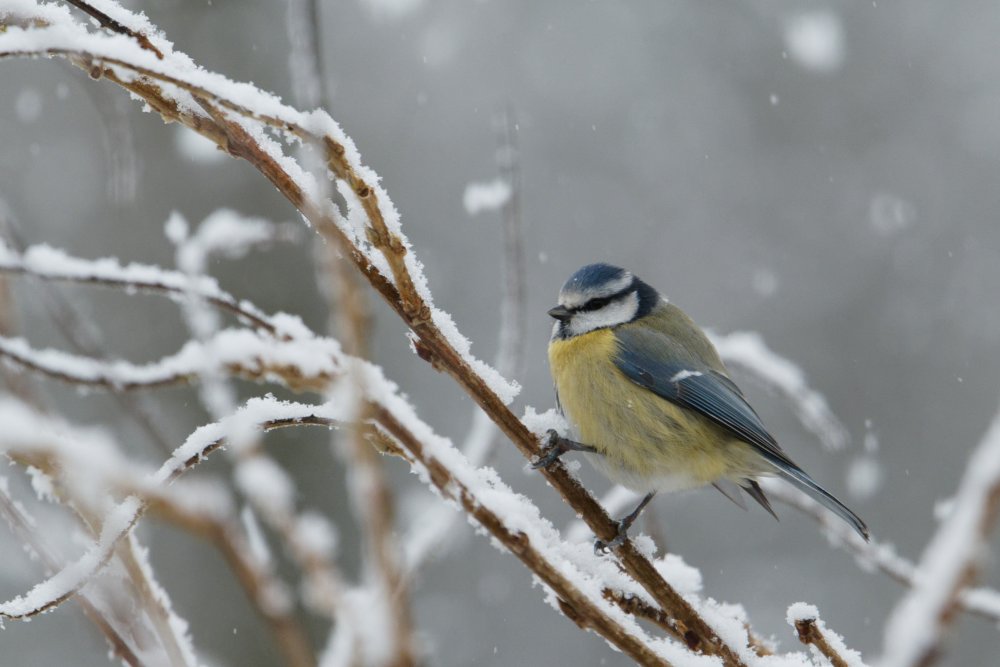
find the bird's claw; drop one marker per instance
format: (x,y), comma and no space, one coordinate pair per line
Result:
(601,547)
(554,448)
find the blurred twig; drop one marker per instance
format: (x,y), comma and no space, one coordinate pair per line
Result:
(513,305)
(81,335)
(60,267)
(351,319)
(812,632)
(483,435)
(24,528)
(982,602)
(950,563)
(141,580)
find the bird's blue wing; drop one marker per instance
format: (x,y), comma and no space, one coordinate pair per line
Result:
(653,361)
(665,367)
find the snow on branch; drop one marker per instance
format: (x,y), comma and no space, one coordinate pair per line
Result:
(950,562)
(237,115)
(876,555)
(90,468)
(813,632)
(301,364)
(48,263)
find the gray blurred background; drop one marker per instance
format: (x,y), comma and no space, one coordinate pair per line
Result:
(823,173)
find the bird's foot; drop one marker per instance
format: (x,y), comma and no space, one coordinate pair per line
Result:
(556,446)
(601,547)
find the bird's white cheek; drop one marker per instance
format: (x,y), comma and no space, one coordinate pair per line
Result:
(613,314)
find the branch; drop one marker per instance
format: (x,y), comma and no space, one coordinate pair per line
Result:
(813,632)
(88,461)
(430,536)
(113,25)
(22,525)
(47,263)
(301,364)
(950,562)
(982,602)
(373,500)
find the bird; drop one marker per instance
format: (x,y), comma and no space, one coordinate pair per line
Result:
(650,403)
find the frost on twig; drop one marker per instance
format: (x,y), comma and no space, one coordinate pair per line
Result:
(951,561)
(430,535)
(876,555)
(47,263)
(813,632)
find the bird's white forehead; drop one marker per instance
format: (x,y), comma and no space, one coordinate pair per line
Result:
(573,296)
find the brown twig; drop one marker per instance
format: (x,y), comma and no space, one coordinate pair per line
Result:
(880,556)
(113,25)
(154,605)
(105,376)
(373,498)
(22,527)
(224,532)
(222,300)
(811,634)
(258,581)
(573,602)
(434,347)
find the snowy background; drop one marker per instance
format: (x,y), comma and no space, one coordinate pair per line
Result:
(824,174)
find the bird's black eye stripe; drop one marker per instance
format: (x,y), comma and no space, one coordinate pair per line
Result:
(595,304)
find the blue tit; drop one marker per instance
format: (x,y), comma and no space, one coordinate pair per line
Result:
(650,402)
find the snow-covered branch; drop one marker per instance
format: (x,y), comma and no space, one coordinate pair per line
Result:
(950,562)
(47,263)
(300,364)
(813,632)
(876,555)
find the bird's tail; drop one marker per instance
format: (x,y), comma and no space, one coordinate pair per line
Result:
(799,479)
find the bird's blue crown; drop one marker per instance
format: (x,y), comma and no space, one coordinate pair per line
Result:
(593,276)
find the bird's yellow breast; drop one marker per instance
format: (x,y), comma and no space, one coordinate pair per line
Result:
(642,437)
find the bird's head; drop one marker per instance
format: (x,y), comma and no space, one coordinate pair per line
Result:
(598,296)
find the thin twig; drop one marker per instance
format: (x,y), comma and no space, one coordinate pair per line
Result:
(811,635)
(950,563)
(263,589)
(22,527)
(133,283)
(981,602)
(576,605)
(258,360)
(113,25)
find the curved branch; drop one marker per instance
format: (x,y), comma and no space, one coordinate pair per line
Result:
(300,364)
(47,263)
(812,631)
(951,561)
(982,602)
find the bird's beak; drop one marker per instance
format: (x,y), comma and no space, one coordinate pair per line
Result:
(560,313)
